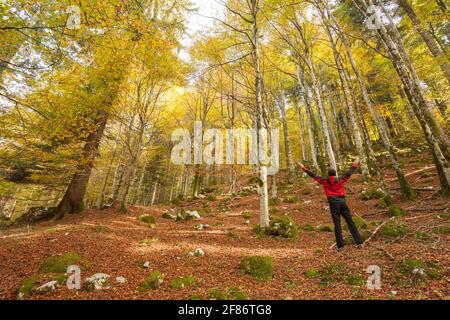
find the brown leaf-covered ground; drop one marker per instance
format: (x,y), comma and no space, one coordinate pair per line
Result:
(111,243)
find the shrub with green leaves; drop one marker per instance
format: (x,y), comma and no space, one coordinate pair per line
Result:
(282,226)
(182,282)
(260,268)
(152,282)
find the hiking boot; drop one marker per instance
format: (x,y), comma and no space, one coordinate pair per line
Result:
(339,249)
(360,246)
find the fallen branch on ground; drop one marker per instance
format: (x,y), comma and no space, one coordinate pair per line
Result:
(425,189)
(391,257)
(378,229)
(413,173)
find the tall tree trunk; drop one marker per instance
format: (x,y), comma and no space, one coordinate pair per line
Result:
(300,132)
(321,109)
(108,172)
(264,199)
(348,102)
(406,190)
(155,188)
(72,202)
(287,141)
(313,130)
(410,80)
(434,133)
(427,37)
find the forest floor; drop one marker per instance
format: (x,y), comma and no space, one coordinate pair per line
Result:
(308,268)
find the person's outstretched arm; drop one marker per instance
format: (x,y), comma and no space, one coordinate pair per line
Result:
(310,173)
(350,172)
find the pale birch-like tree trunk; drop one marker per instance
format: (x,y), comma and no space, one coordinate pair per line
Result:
(321,109)
(428,38)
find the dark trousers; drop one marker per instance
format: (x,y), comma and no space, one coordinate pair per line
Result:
(338,208)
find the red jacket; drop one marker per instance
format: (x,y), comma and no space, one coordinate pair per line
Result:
(333,187)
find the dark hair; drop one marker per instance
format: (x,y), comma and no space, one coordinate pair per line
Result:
(331,172)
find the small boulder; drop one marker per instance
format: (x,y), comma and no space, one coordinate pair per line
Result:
(146,265)
(121,280)
(193,214)
(197,253)
(97,282)
(201,227)
(169,214)
(419,275)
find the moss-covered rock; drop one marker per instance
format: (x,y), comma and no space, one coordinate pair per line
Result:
(282,226)
(371,193)
(217,294)
(291,199)
(308,227)
(27,287)
(152,282)
(230,294)
(101,229)
(148,219)
(237,294)
(247,215)
(385,202)
(260,268)
(59,264)
(355,279)
(396,211)
(442,230)
(360,223)
(325,228)
(182,282)
(273,210)
(394,229)
(312,273)
(306,191)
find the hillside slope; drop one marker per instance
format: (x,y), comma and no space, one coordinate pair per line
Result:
(118,244)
